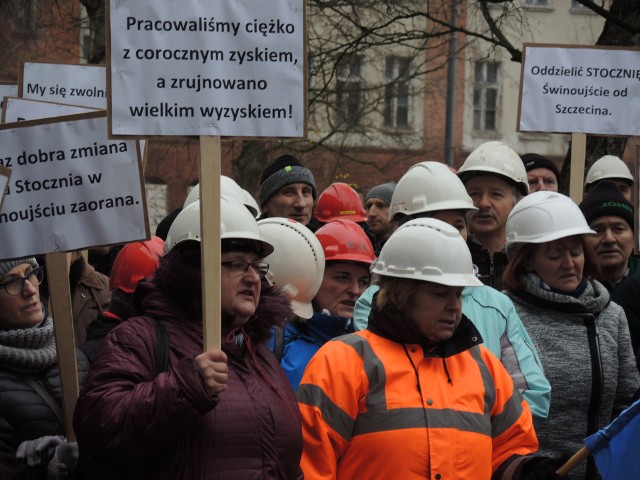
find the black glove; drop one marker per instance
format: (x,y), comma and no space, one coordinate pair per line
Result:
(63,463)
(38,452)
(543,468)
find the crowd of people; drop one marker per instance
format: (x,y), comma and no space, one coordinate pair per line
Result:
(469,324)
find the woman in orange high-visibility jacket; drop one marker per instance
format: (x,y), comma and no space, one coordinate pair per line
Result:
(415,396)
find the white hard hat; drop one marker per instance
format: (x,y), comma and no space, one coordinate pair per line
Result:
(428,187)
(542,217)
(610,167)
(228,187)
(193,195)
(251,203)
(499,159)
(297,262)
(429,250)
(236,223)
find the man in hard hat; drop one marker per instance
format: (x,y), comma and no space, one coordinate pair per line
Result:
(495,179)
(610,168)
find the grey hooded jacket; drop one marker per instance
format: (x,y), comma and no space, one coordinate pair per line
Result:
(587,357)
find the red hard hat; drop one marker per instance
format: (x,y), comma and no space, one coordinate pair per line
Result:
(344,240)
(134,262)
(339,200)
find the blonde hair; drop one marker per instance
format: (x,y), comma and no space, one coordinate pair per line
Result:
(395,292)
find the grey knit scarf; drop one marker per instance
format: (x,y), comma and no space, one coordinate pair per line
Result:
(28,350)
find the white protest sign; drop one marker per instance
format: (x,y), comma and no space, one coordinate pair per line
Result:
(582,90)
(83,85)
(5,175)
(7,90)
(21,109)
(71,187)
(207,67)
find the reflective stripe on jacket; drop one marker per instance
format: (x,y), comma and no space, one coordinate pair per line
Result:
(377,409)
(503,333)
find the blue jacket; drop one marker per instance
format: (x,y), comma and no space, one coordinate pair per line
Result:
(504,335)
(302,339)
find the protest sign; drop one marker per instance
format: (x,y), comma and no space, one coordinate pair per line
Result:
(20,109)
(8,89)
(580,89)
(5,176)
(207,67)
(83,85)
(71,187)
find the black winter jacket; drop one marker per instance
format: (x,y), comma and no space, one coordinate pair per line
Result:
(28,413)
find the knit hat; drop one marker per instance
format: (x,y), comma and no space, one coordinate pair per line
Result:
(383,192)
(284,171)
(606,199)
(533,160)
(8,265)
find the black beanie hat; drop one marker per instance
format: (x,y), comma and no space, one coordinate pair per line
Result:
(533,160)
(284,171)
(606,199)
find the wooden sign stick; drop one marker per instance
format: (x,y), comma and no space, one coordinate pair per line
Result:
(578,154)
(210,168)
(58,279)
(574,461)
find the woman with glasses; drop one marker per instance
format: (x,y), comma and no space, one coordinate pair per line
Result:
(30,399)
(224,413)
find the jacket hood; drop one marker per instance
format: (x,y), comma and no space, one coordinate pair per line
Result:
(390,324)
(323,327)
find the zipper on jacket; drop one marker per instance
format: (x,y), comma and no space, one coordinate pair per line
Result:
(595,402)
(419,388)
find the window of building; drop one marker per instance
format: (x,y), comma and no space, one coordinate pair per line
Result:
(23,12)
(156,202)
(578,7)
(485,96)
(537,3)
(349,89)
(397,93)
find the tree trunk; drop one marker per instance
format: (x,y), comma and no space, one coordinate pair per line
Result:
(96,12)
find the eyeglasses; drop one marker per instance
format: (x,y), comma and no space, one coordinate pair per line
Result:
(240,267)
(15,285)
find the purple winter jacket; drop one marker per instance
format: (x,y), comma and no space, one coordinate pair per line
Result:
(170,424)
